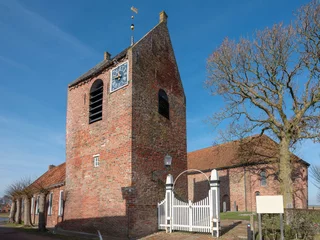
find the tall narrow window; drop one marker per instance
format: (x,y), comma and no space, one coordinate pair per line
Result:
(37,205)
(163,103)
(96,96)
(50,204)
(32,205)
(60,212)
(263,178)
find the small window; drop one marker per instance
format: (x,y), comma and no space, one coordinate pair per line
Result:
(263,178)
(96,160)
(50,204)
(257,193)
(163,103)
(37,205)
(96,97)
(60,212)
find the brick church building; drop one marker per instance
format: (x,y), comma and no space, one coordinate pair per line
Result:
(247,168)
(123,117)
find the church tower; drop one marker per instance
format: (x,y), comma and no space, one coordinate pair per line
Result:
(123,117)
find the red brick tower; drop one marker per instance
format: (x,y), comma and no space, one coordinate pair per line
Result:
(123,117)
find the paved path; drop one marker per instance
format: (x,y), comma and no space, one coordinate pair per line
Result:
(231,231)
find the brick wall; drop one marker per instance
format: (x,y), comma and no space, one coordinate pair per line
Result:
(120,196)
(239,186)
(53,219)
(95,199)
(154,136)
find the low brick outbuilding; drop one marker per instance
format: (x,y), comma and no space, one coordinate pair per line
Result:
(246,168)
(52,183)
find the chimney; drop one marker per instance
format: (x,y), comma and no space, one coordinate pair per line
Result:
(51,166)
(163,17)
(107,56)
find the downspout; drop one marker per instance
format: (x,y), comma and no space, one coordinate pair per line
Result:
(245,189)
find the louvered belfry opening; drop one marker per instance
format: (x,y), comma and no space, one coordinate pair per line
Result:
(96,97)
(163,103)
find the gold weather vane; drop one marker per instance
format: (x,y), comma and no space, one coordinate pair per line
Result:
(135,10)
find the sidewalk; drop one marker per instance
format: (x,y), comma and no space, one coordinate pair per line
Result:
(231,230)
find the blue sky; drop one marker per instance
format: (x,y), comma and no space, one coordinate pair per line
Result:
(44,45)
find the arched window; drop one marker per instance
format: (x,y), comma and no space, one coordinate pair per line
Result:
(225,203)
(96,96)
(263,178)
(163,103)
(257,193)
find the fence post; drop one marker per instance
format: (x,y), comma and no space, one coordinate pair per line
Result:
(214,196)
(169,193)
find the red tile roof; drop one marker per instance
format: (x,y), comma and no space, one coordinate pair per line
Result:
(252,150)
(55,176)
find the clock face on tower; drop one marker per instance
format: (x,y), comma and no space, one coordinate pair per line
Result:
(119,77)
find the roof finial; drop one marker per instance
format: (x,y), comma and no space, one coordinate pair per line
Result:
(135,10)
(163,16)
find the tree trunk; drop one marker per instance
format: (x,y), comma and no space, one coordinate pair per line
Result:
(42,215)
(27,211)
(18,211)
(285,173)
(12,211)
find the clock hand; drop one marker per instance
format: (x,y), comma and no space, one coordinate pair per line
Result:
(118,76)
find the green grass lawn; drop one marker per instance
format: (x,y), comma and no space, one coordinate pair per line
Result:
(4,214)
(235,216)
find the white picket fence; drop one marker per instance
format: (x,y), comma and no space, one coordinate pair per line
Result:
(162,215)
(202,216)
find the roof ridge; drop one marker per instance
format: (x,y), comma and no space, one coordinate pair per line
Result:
(98,68)
(234,141)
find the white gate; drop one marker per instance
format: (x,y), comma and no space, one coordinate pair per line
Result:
(193,217)
(202,216)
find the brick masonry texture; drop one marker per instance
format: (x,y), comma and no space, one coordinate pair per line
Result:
(239,164)
(53,219)
(154,136)
(53,181)
(239,185)
(120,197)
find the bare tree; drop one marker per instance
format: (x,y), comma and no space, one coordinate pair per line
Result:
(12,191)
(39,186)
(26,194)
(270,83)
(315,174)
(15,191)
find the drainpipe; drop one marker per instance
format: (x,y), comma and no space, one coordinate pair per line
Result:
(245,189)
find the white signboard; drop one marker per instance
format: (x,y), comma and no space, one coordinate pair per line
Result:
(269,204)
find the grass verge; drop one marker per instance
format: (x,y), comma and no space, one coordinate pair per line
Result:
(4,215)
(235,216)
